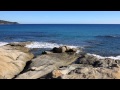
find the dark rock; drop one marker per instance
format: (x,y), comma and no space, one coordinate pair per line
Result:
(87,60)
(72,50)
(106,63)
(64,49)
(115,65)
(55,50)
(98,64)
(47,52)
(67,48)
(59,50)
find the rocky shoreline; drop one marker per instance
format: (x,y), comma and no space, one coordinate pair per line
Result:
(18,62)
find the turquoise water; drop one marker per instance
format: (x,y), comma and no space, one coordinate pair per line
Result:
(102,39)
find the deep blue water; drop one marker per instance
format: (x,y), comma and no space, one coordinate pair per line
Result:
(102,39)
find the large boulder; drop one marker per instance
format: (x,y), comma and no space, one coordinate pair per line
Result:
(46,63)
(13,60)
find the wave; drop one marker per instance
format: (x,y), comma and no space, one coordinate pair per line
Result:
(101,57)
(3,43)
(46,45)
(52,45)
(42,45)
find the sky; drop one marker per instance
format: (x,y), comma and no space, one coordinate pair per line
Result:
(61,17)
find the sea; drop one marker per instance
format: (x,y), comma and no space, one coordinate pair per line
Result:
(97,39)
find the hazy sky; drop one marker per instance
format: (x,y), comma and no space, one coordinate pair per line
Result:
(62,17)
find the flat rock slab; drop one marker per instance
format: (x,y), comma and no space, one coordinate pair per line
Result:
(44,64)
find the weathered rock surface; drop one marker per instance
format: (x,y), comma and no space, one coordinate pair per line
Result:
(90,67)
(60,63)
(46,63)
(96,62)
(18,46)
(13,60)
(91,73)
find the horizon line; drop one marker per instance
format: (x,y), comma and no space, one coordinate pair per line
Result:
(68,23)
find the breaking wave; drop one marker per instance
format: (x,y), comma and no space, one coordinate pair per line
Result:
(101,57)
(46,45)
(3,43)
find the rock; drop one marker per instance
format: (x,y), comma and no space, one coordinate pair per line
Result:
(72,50)
(18,46)
(59,50)
(61,63)
(64,49)
(90,60)
(67,48)
(56,73)
(100,63)
(47,52)
(106,63)
(96,62)
(56,50)
(46,63)
(83,70)
(12,61)
(64,71)
(93,73)
(115,65)
(23,44)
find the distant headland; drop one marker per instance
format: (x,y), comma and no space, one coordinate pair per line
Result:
(7,22)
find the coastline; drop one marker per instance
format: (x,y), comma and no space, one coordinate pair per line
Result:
(64,62)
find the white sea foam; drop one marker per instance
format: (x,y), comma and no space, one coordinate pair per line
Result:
(101,57)
(45,45)
(3,43)
(42,45)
